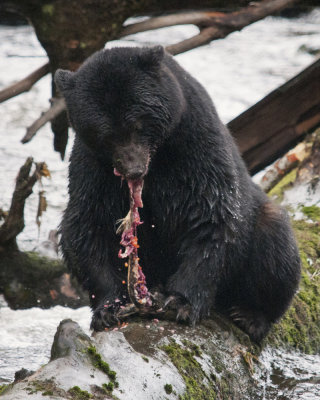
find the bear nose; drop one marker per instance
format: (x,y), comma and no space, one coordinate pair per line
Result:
(135,174)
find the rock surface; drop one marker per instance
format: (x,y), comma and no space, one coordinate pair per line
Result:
(150,360)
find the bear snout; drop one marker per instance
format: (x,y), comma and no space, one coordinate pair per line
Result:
(131,161)
(131,172)
(136,173)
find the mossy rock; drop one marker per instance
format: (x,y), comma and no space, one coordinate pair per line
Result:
(197,385)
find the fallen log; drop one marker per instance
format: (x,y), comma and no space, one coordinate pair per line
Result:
(276,123)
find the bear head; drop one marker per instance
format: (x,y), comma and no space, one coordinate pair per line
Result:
(123,103)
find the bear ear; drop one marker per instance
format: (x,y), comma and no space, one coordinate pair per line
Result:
(64,79)
(152,56)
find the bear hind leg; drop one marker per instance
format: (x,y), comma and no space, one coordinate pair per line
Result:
(270,278)
(254,323)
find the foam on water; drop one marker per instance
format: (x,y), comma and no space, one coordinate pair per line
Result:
(27,335)
(288,376)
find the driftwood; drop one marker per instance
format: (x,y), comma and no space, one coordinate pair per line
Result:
(273,125)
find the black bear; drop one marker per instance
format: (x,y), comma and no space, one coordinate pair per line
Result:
(210,238)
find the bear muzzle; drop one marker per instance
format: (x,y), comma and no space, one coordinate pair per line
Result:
(131,161)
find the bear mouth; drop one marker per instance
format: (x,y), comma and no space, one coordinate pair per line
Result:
(135,187)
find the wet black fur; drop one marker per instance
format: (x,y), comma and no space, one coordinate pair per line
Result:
(210,235)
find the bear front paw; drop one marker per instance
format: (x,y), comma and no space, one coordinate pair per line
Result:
(178,305)
(104,318)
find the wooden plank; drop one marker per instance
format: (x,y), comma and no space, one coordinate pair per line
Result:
(276,123)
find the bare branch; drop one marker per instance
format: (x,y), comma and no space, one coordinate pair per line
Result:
(213,25)
(25,84)
(58,105)
(204,37)
(194,18)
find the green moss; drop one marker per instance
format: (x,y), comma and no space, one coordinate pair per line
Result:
(146,359)
(312,212)
(48,9)
(108,386)
(39,386)
(198,387)
(48,393)
(284,183)
(97,362)
(4,388)
(78,394)
(300,327)
(47,387)
(195,349)
(168,388)
(45,265)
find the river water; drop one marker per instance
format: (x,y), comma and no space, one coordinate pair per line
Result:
(236,71)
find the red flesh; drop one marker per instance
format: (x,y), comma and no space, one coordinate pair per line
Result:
(129,241)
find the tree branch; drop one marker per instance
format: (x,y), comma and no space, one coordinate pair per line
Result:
(213,25)
(25,84)
(204,37)
(58,105)
(194,18)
